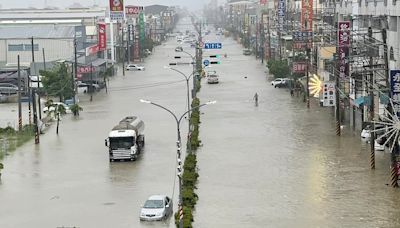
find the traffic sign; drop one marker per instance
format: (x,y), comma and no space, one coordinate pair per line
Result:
(212,45)
(206,62)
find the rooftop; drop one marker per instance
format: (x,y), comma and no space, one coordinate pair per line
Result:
(45,31)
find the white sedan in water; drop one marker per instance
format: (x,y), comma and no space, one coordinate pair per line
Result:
(135,67)
(156,207)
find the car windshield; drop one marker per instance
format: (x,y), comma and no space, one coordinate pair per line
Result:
(212,76)
(154,204)
(121,143)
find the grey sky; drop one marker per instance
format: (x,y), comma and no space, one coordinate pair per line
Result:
(190,4)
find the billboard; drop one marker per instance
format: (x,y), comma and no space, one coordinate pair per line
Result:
(299,67)
(133,11)
(117,10)
(101,40)
(281,14)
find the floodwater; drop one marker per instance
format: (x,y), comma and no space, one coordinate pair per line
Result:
(275,165)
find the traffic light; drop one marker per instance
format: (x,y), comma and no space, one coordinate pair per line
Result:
(172,64)
(177,57)
(215,56)
(215,62)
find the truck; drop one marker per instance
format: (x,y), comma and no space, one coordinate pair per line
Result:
(126,140)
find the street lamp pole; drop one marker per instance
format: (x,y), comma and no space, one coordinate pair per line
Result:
(188,98)
(178,149)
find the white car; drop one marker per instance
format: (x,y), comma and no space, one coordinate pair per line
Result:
(52,108)
(212,79)
(156,207)
(278,82)
(135,67)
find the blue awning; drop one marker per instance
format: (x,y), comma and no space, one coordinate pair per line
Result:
(365,100)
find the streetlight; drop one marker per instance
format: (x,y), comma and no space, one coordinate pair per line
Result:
(187,78)
(178,145)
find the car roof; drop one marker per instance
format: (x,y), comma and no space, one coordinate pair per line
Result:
(157,197)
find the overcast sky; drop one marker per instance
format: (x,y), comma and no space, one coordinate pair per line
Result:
(190,4)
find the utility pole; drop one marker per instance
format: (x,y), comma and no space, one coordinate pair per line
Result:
(29,99)
(337,99)
(371,109)
(121,52)
(37,75)
(91,82)
(35,119)
(44,59)
(262,37)
(269,36)
(75,70)
(128,45)
(19,97)
(257,31)
(393,170)
(308,77)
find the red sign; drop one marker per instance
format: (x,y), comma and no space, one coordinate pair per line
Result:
(116,5)
(299,67)
(133,10)
(92,50)
(102,41)
(86,69)
(306,14)
(301,46)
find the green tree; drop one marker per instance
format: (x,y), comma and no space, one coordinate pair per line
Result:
(58,82)
(75,109)
(56,110)
(279,68)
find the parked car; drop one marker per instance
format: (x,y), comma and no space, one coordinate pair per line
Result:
(135,67)
(246,52)
(179,49)
(278,82)
(156,207)
(147,52)
(366,135)
(52,108)
(8,88)
(82,87)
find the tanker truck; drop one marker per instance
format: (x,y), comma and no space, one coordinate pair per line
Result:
(126,140)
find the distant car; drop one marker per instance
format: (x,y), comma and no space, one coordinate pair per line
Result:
(52,108)
(135,67)
(366,135)
(212,79)
(82,87)
(179,49)
(278,82)
(246,52)
(8,88)
(147,52)
(156,207)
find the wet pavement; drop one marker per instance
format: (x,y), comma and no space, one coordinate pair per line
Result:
(279,164)
(275,165)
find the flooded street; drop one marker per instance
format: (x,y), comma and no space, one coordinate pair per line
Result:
(275,165)
(281,165)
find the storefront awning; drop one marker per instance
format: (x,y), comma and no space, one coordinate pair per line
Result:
(98,62)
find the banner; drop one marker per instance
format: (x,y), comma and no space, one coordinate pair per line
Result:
(395,89)
(117,9)
(101,39)
(86,69)
(306,14)
(343,49)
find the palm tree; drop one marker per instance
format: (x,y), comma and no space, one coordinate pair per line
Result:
(59,110)
(75,109)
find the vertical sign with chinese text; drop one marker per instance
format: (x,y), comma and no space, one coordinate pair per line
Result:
(306,15)
(281,14)
(141,31)
(343,48)
(101,39)
(395,89)
(117,10)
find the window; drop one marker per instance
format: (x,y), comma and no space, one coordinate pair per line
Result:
(23,47)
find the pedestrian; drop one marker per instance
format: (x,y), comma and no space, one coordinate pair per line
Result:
(291,92)
(255,98)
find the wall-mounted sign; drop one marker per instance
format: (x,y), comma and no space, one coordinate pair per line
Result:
(117,10)
(329,94)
